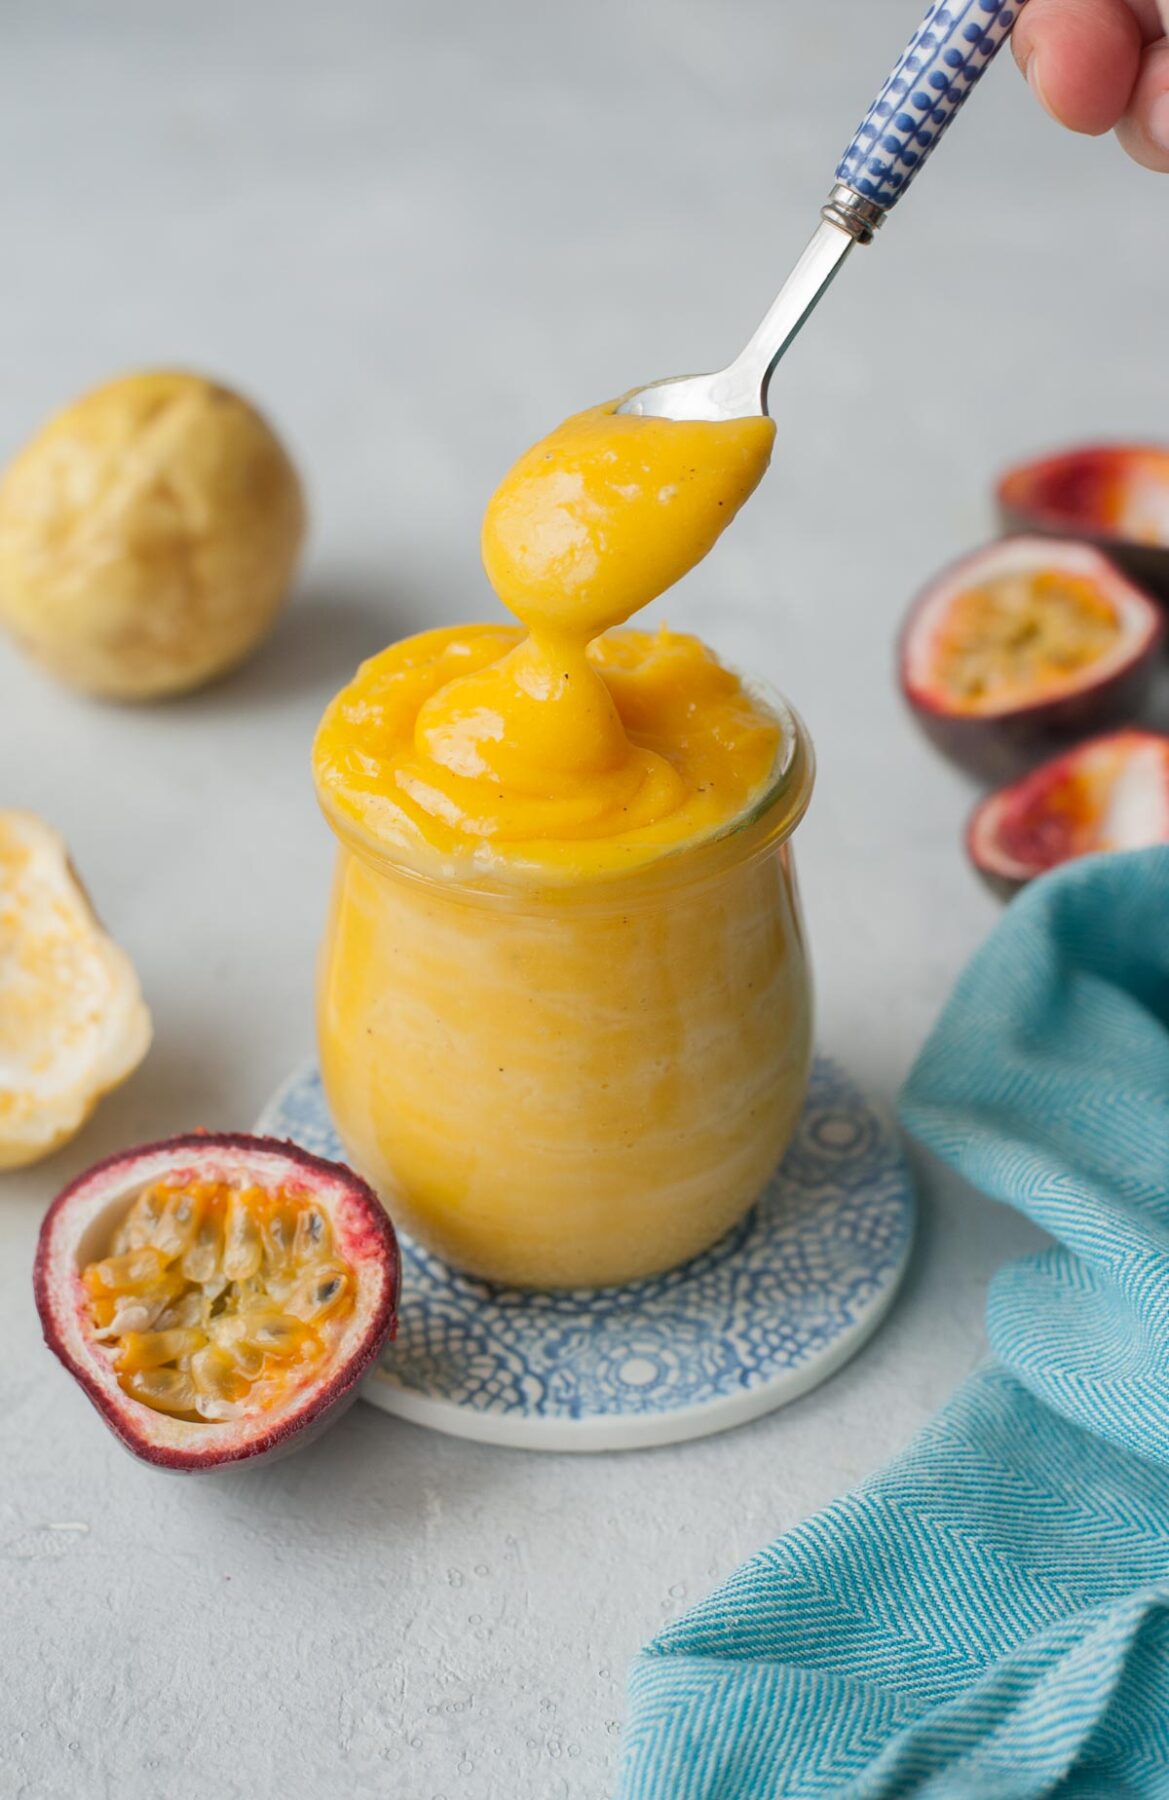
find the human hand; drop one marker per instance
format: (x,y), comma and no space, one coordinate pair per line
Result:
(1099,64)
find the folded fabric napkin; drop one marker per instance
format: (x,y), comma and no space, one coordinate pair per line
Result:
(989,1616)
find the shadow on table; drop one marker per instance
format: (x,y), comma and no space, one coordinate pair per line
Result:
(368,1480)
(330,627)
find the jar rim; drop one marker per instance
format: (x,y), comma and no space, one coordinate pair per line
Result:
(767,822)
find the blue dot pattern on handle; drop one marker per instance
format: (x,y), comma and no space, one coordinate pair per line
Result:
(955,43)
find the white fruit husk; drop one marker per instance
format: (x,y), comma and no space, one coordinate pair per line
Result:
(73,1023)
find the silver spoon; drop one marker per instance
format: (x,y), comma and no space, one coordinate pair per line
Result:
(954,44)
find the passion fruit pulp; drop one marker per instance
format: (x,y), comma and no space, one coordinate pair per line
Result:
(1025,644)
(1113,495)
(1111,793)
(218,1297)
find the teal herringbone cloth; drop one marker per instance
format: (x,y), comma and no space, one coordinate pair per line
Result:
(989,1616)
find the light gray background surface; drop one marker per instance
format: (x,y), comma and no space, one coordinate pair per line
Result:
(421,235)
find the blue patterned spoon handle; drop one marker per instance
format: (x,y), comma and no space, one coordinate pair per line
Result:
(939,67)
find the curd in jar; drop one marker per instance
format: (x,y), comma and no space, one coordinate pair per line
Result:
(564,1012)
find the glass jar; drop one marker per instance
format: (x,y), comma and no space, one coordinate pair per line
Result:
(558,1086)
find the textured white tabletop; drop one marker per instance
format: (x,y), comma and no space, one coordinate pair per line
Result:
(420,235)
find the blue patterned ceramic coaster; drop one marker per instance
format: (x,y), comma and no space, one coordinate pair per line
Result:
(776,1307)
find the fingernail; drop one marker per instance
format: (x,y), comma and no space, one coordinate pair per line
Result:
(1033,71)
(1159,122)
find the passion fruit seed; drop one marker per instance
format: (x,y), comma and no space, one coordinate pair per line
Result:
(216,1298)
(1020,635)
(152,1349)
(166,1390)
(319,1293)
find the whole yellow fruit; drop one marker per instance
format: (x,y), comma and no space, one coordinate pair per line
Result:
(148,535)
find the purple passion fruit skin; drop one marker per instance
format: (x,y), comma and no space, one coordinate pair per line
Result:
(1037,598)
(218,1297)
(1114,496)
(1110,794)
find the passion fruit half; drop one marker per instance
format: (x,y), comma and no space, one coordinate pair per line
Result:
(1023,644)
(218,1297)
(1111,793)
(1113,495)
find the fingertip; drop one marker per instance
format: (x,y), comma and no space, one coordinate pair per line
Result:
(1081,59)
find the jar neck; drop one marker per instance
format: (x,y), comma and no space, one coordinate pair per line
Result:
(761,828)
